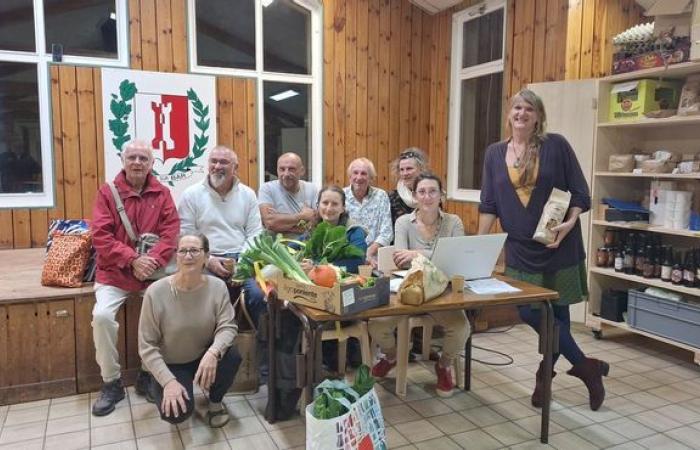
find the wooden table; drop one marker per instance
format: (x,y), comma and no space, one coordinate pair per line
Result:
(313,319)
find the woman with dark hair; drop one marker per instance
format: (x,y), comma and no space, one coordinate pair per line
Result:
(519,175)
(410,163)
(186,332)
(416,234)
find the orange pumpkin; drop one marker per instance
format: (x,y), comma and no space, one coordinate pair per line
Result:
(323,275)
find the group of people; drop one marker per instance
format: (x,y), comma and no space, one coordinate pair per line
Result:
(187,327)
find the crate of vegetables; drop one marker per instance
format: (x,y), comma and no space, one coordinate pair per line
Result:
(326,287)
(349,295)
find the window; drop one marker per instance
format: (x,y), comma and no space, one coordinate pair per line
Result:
(475,94)
(31,32)
(277,42)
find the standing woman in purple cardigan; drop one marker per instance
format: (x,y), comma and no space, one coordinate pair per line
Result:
(519,175)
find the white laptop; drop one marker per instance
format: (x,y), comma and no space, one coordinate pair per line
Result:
(473,257)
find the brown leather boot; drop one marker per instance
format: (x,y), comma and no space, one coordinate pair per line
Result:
(591,371)
(538,395)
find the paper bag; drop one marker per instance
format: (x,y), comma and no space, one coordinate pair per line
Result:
(552,215)
(423,282)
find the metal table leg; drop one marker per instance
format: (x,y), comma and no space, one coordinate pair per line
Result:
(468,352)
(272,330)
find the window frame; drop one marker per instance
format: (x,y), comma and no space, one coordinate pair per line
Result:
(314,79)
(457,76)
(42,60)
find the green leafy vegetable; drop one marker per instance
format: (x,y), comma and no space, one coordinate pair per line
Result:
(363,380)
(330,243)
(269,251)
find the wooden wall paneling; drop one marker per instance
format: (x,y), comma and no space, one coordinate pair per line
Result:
(6,233)
(384,87)
(339,126)
(21,228)
(135,56)
(395,56)
(251,133)
(508,58)
(435,71)
(329,26)
(442,102)
(179,35)
(539,43)
(224,119)
(164,36)
(350,87)
(149,36)
(60,326)
(555,52)
(71,149)
(587,37)
(405,67)
(239,125)
(528,42)
(39,224)
(518,47)
(415,70)
(58,211)
(361,91)
(88,138)
(97,79)
(599,48)
(573,39)
(425,73)
(373,116)
(4,351)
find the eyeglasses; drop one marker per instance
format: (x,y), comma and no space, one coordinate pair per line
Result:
(221,162)
(192,251)
(428,192)
(408,155)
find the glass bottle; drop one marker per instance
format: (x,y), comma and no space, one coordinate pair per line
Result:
(667,265)
(689,269)
(677,270)
(649,262)
(619,260)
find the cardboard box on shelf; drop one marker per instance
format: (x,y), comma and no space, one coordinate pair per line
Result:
(631,99)
(340,299)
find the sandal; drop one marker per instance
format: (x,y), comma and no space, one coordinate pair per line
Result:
(218,419)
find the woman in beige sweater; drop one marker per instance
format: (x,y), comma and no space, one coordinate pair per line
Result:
(186,333)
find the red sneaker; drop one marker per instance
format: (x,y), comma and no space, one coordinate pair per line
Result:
(382,367)
(445,385)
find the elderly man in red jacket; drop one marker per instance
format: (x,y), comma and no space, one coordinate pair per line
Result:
(120,269)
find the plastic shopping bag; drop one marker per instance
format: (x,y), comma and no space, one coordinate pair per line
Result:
(360,428)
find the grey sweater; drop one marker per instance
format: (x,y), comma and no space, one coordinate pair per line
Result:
(178,327)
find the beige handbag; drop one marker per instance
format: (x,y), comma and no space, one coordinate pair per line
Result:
(246,380)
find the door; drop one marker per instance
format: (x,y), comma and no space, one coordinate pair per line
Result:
(571,111)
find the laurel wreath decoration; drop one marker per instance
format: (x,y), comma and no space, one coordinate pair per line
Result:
(119,125)
(201,140)
(120,108)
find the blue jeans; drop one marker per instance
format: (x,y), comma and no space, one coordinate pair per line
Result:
(567,345)
(254,296)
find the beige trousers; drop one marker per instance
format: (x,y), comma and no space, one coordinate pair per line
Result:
(105,329)
(455,323)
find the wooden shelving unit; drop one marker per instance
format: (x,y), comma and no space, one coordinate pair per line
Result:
(680,134)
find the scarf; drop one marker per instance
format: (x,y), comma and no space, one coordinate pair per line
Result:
(406,194)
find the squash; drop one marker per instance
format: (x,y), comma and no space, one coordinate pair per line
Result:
(323,275)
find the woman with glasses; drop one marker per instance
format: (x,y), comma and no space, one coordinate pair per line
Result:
(186,332)
(417,233)
(410,163)
(519,175)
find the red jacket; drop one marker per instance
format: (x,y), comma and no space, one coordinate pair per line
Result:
(152,211)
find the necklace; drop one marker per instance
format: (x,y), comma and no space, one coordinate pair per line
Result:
(518,159)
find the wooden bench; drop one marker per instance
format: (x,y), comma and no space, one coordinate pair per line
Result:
(46,346)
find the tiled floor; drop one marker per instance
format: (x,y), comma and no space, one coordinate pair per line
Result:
(653,401)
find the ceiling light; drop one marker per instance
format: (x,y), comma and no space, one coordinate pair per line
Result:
(266,3)
(284,95)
